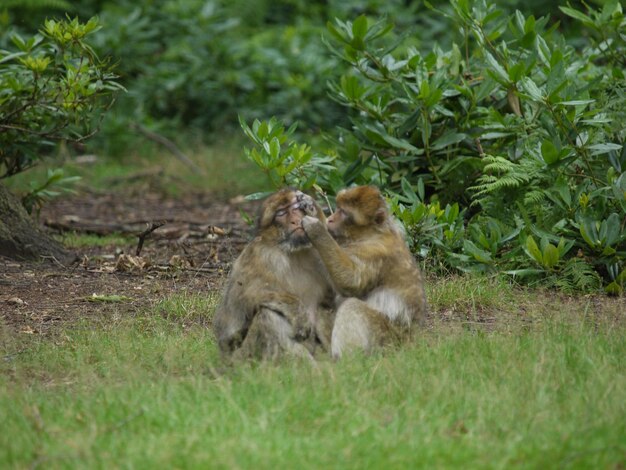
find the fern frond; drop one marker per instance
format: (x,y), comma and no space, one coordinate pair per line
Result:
(509,175)
(534,197)
(580,276)
(497,164)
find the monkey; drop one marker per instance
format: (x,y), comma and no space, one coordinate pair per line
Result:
(364,251)
(278,299)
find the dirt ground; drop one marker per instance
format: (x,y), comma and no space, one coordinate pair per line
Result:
(189,253)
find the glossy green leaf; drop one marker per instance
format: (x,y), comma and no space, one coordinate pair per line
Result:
(274,148)
(610,230)
(336,33)
(532,249)
(496,69)
(589,232)
(577,15)
(449,138)
(530,87)
(359,27)
(549,152)
(478,253)
(576,102)
(598,149)
(550,256)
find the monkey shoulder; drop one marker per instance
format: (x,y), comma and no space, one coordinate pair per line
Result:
(396,263)
(377,246)
(255,256)
(248,273)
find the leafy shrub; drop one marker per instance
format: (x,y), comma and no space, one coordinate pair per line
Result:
(52,87)
(502,153)
(199,64)
(39,193)
(285,162)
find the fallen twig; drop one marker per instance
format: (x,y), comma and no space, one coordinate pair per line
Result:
(145,233)
(193,228)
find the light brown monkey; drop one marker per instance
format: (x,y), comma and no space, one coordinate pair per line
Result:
(278,291)
(372,268)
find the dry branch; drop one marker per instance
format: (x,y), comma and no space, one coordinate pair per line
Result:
(145,233)
(73,223)
(168,144)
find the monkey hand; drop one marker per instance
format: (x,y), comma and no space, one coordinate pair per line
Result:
(313,227)
(306,203)
(302,327)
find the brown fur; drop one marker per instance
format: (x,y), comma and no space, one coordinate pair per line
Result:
(364,203)
(370,266)
(277,296)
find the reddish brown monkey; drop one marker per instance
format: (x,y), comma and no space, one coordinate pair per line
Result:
(278,291)
(365,254)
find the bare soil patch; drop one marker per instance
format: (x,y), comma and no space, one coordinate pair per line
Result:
(190,253)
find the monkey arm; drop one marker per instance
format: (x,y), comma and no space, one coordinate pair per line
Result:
(282,303)
(232,319)
(288,306)
(246,294)
(350,274)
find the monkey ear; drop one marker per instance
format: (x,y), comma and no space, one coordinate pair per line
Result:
(380,216)
(264,219)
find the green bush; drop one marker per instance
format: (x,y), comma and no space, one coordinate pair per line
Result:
(196,65)
(52,87)
(503,153)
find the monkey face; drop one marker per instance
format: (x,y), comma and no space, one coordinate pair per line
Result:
(290,214)
(287,219)
(281,218)
(359,208)
(336,223)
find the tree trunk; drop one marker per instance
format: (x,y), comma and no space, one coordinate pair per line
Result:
(20,238)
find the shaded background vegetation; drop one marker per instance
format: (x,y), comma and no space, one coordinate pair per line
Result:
(196,65)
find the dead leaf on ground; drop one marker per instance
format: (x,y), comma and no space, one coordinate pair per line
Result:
(179,262)
(107,298)
(238,200)
(213,230)
(130,263)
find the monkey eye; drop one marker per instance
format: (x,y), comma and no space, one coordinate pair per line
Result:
(280,212)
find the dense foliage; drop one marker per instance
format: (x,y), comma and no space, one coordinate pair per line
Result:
(198,64)
(503,153)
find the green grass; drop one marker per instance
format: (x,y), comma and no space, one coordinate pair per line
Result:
(82,240)
(221,168)
(189,308)
(472,292)
(150,392)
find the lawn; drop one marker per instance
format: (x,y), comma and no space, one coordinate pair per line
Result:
(500,378)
